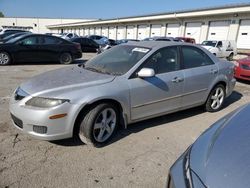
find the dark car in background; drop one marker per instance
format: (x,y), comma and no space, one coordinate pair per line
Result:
(101,40)
(87,44)
(37,48)
(219,157)
(121,41)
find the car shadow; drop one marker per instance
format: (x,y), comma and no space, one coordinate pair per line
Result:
(69,142)
(158,121)
(243,81)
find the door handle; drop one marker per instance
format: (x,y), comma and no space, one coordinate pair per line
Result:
(177,80)
(213,71)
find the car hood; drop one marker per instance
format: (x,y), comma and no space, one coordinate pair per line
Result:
(245,60)
(65,78)
(220,156)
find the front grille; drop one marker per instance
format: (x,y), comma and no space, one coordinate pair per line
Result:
(40,129)
(246,67)
(17,121)
(20,94)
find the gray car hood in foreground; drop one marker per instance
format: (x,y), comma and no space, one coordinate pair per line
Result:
(65,77)
(221,156)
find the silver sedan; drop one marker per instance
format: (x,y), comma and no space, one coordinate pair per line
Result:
(128,83)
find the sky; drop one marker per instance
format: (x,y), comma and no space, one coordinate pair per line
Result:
(101,9)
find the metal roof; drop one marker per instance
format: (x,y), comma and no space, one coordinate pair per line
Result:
(238,5)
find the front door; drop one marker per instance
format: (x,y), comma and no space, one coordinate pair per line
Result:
(161,93)
(26,49)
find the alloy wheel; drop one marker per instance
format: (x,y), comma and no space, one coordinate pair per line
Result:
(217,98)
(4,58)
(104,125)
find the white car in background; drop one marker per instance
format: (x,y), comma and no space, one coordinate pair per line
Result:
(221,48)
(69,35)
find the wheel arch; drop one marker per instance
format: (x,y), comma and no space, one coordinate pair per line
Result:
(87,107)
(10,54)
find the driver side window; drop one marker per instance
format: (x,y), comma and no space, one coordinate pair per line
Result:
(164,60)
(29,41)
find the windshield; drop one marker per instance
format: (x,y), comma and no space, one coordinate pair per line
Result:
(117,60)
(209,43)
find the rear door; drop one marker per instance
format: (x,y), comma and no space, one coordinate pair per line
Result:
(199,73)
(49,48)
(161,93)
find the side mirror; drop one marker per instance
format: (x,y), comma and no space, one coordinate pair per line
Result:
(146,73)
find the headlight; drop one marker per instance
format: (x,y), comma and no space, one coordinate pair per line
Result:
(45,102)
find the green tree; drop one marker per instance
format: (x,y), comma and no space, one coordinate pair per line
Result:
(1,14)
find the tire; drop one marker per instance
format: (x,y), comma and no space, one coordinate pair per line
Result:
(5,58)
(95,127)
(65,58)
(215,99)
(230,57)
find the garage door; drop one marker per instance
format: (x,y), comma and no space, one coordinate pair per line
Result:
(86,31)
(155,30)
(172,30)
(91,31)
(105,31)
(193,30)
(112,34)
(121,32)
(130,32)
(218,30)
(243,40)
(82,31)
(142,32)
(98,31)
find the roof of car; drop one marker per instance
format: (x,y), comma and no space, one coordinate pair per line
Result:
(156,44)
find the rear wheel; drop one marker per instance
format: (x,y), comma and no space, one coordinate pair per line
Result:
(99,124)
(230,57)
(65,58)
(5,58)
(215,99)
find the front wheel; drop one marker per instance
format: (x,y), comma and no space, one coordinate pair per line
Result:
(65,58)
(99,124)
(4,58)
(230,57)
(215,99)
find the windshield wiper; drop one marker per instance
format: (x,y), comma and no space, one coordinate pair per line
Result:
(93,69)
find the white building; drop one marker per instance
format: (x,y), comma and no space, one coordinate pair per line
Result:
(217,23)
(36,25)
